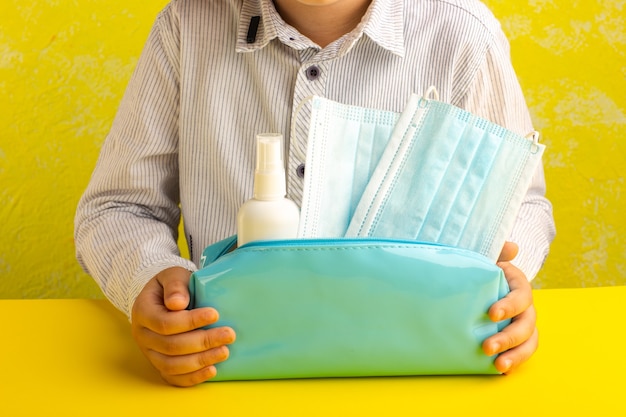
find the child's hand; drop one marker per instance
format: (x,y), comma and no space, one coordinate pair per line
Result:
(517,341)
(171,336)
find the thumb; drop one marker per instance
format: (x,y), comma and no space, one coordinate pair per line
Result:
(509,252)
(175,283)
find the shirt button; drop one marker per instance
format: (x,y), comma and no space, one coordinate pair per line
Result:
(300,171)
(313,72)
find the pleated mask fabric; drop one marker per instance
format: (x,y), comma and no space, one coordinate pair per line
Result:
(344,145)
(448,177)
(434,173)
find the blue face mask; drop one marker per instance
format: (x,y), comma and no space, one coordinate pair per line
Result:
(343,149)
(444,176)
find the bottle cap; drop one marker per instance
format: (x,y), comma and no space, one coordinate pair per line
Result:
(269,176)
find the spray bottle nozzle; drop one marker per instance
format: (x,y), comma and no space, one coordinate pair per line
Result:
(269,176)
(269,156)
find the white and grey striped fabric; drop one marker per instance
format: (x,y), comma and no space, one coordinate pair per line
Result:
(185,132)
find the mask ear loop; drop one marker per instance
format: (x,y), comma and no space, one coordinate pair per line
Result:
(430,91)
(534,137)
(292,132)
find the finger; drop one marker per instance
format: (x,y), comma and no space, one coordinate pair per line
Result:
(180,365)
(509,252)
(175,322)
(511,359)
(515,334)
(175,283)
(189,342)
(191,379)
(517,300)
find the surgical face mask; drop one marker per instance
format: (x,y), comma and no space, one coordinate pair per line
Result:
(445,176)
(343,149)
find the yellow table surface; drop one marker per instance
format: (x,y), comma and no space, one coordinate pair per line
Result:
(77,358)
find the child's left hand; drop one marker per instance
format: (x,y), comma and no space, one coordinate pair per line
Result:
(518,341)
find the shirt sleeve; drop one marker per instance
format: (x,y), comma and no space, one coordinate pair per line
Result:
(126,223)
(496,95)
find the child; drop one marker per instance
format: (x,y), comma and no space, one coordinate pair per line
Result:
(215,73)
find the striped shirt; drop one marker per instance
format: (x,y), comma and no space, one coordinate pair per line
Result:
(183,139)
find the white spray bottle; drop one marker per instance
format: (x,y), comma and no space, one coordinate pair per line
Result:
(268,215)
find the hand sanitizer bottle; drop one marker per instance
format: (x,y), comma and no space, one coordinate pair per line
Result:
(268,215)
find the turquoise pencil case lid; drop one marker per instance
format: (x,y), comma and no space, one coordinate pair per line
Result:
(350,307)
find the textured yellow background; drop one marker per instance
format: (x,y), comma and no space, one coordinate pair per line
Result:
(64,65)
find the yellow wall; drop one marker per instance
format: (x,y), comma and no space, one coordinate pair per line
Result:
(64,66)
(571,61)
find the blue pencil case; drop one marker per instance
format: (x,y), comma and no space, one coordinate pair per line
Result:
(311,308)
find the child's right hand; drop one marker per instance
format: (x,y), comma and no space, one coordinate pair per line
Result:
(171,337)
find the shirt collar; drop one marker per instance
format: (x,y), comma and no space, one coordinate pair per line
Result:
(383,23)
